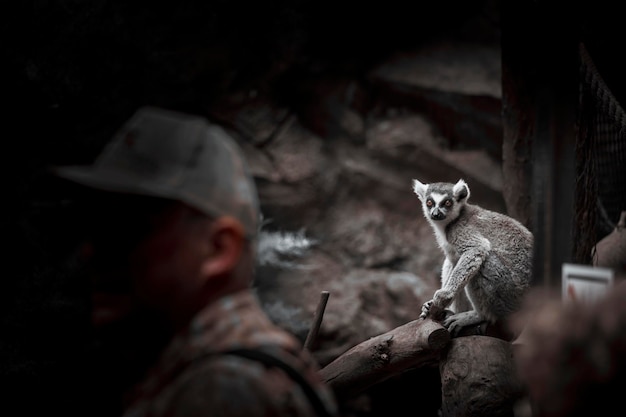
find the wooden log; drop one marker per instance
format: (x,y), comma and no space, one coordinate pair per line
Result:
(479,378)
(415,344)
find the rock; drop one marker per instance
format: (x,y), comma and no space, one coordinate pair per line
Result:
(456,84)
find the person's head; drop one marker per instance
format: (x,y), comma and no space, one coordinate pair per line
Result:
(174,219)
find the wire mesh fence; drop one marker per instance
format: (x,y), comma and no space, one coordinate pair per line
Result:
(600,161)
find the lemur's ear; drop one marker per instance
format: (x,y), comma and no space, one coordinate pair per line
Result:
(419,189)
(461,190)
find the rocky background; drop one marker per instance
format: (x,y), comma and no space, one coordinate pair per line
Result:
(337,107)
(340,212)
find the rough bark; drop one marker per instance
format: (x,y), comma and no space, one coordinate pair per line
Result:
(478,378)
(415,344)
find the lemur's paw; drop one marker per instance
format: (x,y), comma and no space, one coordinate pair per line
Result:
(453,326)
(426,309)
(436,313)
(455,323)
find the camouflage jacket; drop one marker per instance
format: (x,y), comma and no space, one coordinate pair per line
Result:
(193,379)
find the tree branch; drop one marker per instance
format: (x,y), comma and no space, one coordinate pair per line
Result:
(415,344)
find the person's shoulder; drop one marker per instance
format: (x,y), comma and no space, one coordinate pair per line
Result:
(243,384)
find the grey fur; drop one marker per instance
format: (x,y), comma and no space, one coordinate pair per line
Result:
(487,254)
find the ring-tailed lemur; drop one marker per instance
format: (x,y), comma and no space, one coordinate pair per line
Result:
(487,254)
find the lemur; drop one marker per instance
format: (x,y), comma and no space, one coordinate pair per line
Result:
(488,257)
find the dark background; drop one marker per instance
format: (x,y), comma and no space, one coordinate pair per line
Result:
(74,71)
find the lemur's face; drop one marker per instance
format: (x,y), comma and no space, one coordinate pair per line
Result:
(441,202)
(438,205)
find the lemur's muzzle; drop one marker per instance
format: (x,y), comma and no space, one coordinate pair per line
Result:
(437,214)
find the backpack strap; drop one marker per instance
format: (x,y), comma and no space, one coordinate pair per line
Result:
(271,360)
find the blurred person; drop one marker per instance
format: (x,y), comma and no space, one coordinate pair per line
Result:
(173,221)
(571,357)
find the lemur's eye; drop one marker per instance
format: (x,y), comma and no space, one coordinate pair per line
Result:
(429,203)
(448,203)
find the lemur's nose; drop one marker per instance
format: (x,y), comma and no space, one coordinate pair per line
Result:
(437,215)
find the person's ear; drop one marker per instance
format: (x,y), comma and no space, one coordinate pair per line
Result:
(227,238)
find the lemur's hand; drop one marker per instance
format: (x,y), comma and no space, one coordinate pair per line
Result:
(426,309)
(432,310)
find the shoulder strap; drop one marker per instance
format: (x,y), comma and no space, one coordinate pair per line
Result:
(268,359)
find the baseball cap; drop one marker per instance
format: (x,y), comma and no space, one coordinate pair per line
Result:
(178,156)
